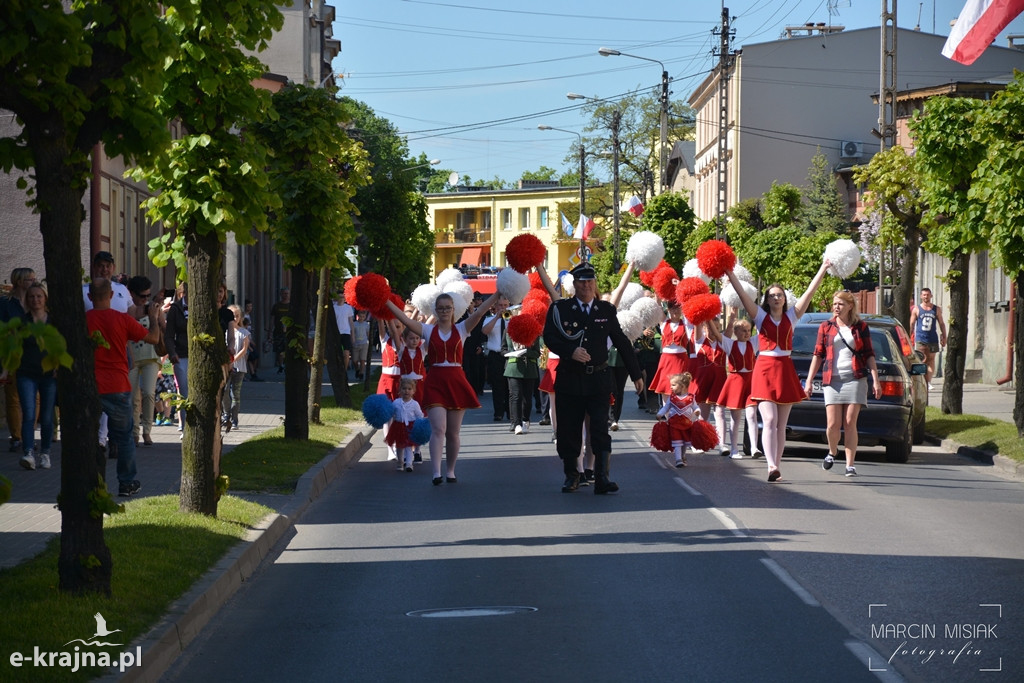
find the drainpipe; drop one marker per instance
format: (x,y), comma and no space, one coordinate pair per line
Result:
(1010,334)
(95,208)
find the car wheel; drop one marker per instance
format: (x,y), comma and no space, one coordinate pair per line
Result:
(899,451)
(918,435)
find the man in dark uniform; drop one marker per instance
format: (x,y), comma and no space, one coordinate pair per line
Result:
(578,329)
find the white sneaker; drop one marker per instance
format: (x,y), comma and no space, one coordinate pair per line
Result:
(614,426)
(526,427)
(28,461)
(931,388)
(736,456)
(44,461)
(851,471)
(519,429)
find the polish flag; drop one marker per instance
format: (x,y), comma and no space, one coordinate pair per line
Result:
(979,23)
(585,227)
(633,205)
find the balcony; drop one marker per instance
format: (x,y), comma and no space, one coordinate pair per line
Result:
(460,236)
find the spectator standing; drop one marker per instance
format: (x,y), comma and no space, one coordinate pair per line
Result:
(360,343)
(522,373)
(176,340)
(929,332)
(13,306)
(117,329)
(253,360)
(278,312)
(344,314)
(145,361)
(103,266)
(238,340)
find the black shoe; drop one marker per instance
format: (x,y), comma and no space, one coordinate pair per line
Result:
(571,483)
(451,480)
(603,487)
(416,457)
(129,489)
(437,481)
(498,419)
(584,481)
(545,421)
(15,445)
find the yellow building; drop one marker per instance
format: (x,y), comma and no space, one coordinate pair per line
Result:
(473,227)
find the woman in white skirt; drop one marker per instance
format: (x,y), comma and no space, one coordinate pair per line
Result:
(844,353)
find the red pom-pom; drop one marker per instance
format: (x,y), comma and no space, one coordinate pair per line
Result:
(702,308)
(536,282)
(384,313)
(524,329)
(689,287)
(536,308)
(664,283)
(703,435)
(372,291)
(524,252)
(647,276)
(350,290)
(715,257)
(537,295)
(661,440)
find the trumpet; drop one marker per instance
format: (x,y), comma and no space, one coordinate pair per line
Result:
(510,311)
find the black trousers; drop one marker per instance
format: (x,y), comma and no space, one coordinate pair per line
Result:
(571,409)
(499,385)
(520,396)
(619,377)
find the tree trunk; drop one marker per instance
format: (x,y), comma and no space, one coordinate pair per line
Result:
(903,289)
(316,363)
(296,366)
(1018,346)
(335,361)
(84,564)
(958,281)
(207,358)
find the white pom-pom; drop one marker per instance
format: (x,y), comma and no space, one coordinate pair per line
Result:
(790,300)
(691,269)
(844,257)
(512,285)
(568,286)
(459,305)
(649,310)
(731,298)
(741,273)
(645,250)
(448,275)
(631,293)
(462,288)
(631,324)
(423,298)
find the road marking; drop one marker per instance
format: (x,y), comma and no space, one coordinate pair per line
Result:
(692,491)
(727,522)
(660,460)
(791,583)
(875,662)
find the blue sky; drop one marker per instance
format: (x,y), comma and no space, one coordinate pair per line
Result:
(469,81)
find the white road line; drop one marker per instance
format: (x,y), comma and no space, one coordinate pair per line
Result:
(791,583)
(660,460)
(875,662)
(727,522)
(689,489)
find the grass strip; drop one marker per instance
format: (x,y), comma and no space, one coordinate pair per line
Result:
(985,433)
(158,552)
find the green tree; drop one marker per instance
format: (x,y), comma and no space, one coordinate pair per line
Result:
(670,216)
(75,77)
(705,230)
(764,253)
(825,209)
(316,169)
(782,204)
(211,182)
(543,173)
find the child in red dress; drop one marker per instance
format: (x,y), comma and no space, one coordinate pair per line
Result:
(681,411)
(407,411)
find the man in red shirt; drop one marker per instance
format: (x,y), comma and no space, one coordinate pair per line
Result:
(116,329)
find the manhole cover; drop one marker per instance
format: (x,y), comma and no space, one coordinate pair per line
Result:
(454,612)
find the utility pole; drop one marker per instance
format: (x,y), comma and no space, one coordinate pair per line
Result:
(725,61)
(616,120)
(886,111)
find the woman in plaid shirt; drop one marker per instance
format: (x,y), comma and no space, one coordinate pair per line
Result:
(844,353)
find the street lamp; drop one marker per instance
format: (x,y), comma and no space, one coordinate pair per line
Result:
(583,175)
(432,162)
(663,156)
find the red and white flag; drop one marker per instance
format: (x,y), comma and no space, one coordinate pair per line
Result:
(585,227)
(979,23)
(633,205)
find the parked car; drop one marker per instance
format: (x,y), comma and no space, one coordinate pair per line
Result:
(896,420)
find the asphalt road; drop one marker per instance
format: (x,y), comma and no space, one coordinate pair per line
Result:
(702,574)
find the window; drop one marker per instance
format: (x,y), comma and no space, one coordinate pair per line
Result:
(524,219)
(542,217)
(506,219)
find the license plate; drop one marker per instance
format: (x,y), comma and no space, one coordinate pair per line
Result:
(816,386)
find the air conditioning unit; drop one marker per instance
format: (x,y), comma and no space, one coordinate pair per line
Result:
(850,149)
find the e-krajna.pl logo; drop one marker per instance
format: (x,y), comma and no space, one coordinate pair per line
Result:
(79,657)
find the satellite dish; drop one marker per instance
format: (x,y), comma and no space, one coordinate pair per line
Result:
(453,178)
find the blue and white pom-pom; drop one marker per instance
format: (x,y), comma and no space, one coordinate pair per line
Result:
(378,410)
(420,432)
(448,275)
(513,285)
(691,269)
(423,298)
(844,257)
(731,299)
(568,285)
(631,324)
(645,250)
(649,310)
(462,296)
(632,292)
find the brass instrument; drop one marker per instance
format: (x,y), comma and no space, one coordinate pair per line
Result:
(510,311)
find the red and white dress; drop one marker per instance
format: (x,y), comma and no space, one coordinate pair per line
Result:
(446,384)
(411,366)
(682,412)
(708,370)
(390,373)
(399,433)
(547,382)
(774,377)
(735,392)
(676,347)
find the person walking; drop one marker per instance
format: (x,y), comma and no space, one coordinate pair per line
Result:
(176,340)
(775,386)
(14,306)
(843,350)
(145,361)
(929,332)
(494,328)
(676,349)
(578,330)
(522,373)
(740,353)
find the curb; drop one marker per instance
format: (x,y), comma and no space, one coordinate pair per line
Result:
(1005,467)
(186,616)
